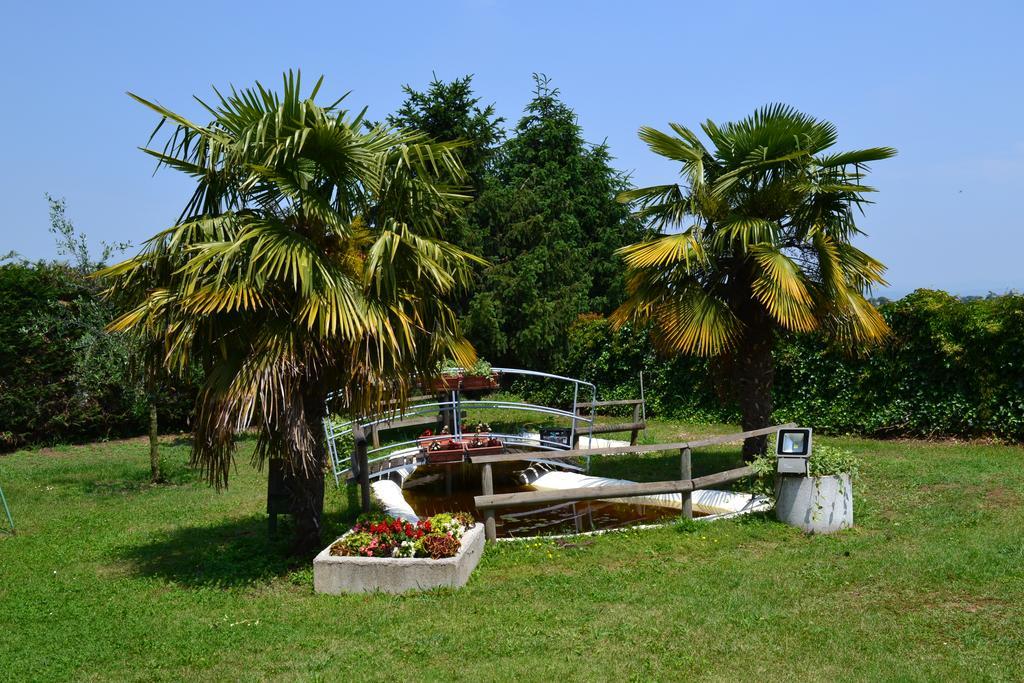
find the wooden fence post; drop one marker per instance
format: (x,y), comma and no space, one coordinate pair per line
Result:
(362,462)
(490,530)
(636,421)
(686,472)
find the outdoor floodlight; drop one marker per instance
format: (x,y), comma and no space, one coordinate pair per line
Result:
(793,449)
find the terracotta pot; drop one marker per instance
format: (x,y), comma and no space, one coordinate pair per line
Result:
(483,450)
(446,383)
(474,382)
(446,455)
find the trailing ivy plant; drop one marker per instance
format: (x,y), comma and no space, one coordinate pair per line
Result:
(825,461)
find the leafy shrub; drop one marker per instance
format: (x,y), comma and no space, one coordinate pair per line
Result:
(825,461)
(63,377)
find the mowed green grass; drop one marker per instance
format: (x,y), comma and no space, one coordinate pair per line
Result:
(111,578)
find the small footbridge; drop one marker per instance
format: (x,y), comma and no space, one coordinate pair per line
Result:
(452,440)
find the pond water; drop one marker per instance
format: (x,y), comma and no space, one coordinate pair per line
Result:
(428,492)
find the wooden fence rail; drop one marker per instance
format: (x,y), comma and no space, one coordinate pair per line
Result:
(685,485)
(627,450)
(621,402)
(633,427)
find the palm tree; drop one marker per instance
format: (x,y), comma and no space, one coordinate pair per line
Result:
(305,263)
(757,238)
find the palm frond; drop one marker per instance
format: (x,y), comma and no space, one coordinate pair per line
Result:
(782,289)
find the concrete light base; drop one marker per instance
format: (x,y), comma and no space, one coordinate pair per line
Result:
(818,505)
(337,575)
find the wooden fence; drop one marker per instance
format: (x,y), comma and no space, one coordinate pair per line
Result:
(488,502)
(633,427)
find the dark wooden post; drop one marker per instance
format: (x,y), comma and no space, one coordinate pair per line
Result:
(636,421)
(490,529)
(686,472)
(362,462)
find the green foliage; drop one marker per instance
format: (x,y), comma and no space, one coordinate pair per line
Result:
(551,226)
(63,377)
(352,543)
(481,368)
(545,217)
(757,236)
(74,244)
(450,112)
(825,461)
(949,368)
(677,385)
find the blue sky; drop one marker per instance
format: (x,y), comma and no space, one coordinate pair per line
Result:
(939,81)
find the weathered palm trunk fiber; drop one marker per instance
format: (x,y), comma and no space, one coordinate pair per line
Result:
(754,372)
(306,487)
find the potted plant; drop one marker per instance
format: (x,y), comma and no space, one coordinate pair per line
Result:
(443,448)
(483,442)
(392,555)
(821,502)
(426,438)
(480,376)
(448,380)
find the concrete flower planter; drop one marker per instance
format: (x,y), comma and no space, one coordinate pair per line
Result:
(337,575)
(818,505)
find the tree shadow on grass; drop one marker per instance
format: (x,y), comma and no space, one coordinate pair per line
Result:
(234,554)
(172,474)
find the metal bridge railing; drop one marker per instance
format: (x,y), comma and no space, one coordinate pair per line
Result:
(333,431)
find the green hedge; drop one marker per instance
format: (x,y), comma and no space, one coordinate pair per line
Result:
(951,368)
(62,377)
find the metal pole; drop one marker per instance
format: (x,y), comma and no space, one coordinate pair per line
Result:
(7,510)
(332,450)
(575,399)
(456,414)
(686,472)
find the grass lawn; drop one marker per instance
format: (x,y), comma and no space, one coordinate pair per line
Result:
(111,578)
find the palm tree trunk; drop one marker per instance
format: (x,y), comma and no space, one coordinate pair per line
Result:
(305,486)
(754,372)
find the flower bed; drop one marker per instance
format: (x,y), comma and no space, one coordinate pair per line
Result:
(378,536)
(394,556)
